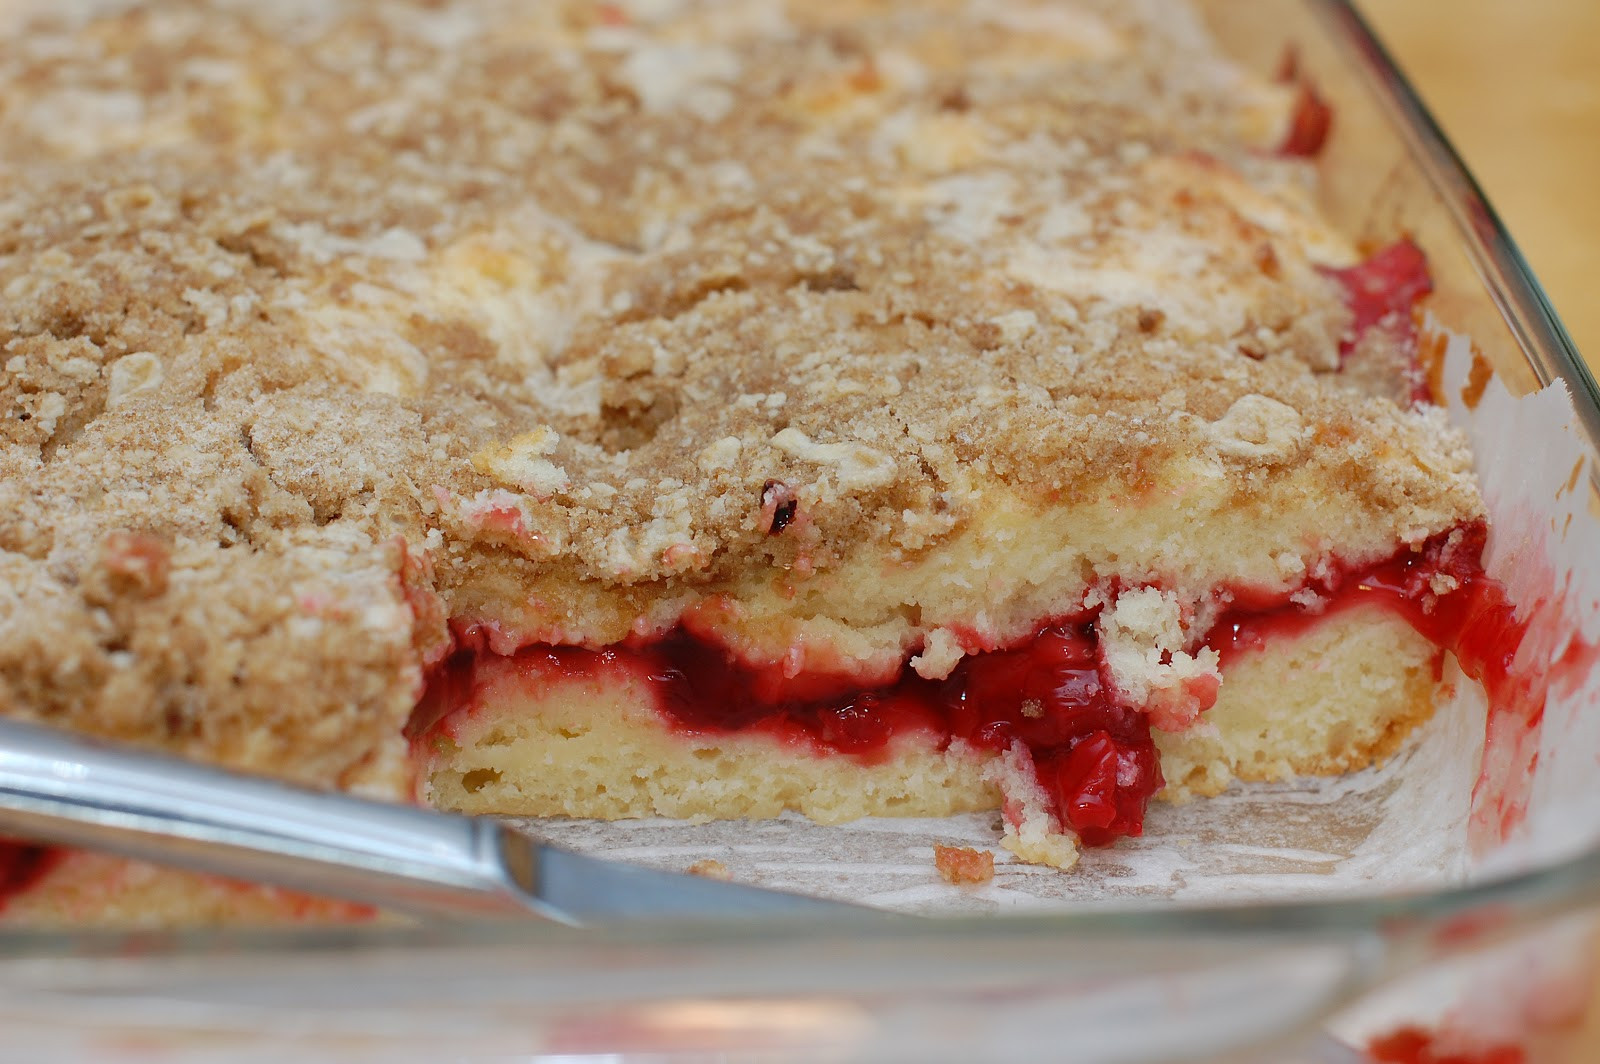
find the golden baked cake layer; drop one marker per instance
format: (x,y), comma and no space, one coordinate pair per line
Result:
(855,338)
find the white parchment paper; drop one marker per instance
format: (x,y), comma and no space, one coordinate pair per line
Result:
(1537,471)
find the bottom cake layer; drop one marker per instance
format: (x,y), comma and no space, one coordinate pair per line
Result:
(1330,697)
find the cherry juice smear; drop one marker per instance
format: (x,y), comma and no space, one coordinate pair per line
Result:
(1384,289)
(22,864)
(1094,756)
(1382,292)
(1385,286)
(1413,1045)
(1309,124)
(1312,118)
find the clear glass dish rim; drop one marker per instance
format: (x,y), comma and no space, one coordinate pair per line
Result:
(1519,899)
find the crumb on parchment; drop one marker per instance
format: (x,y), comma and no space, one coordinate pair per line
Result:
(963,864)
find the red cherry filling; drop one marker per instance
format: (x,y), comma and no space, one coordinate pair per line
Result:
(1094,757)
(1469,616)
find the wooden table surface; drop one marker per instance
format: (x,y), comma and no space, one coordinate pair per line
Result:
(1516,86)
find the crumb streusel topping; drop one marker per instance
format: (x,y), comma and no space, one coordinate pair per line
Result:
(322,323)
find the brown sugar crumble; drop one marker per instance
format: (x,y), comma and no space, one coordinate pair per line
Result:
(710,868)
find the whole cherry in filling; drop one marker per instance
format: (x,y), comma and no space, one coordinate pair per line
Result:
(1094,757)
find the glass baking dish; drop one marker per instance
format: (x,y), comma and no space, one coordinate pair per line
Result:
(1098,983)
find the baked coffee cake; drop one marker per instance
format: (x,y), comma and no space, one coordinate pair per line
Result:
(703,409)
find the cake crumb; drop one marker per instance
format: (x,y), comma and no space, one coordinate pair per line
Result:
(940,654)
(963,864)
(710,868)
